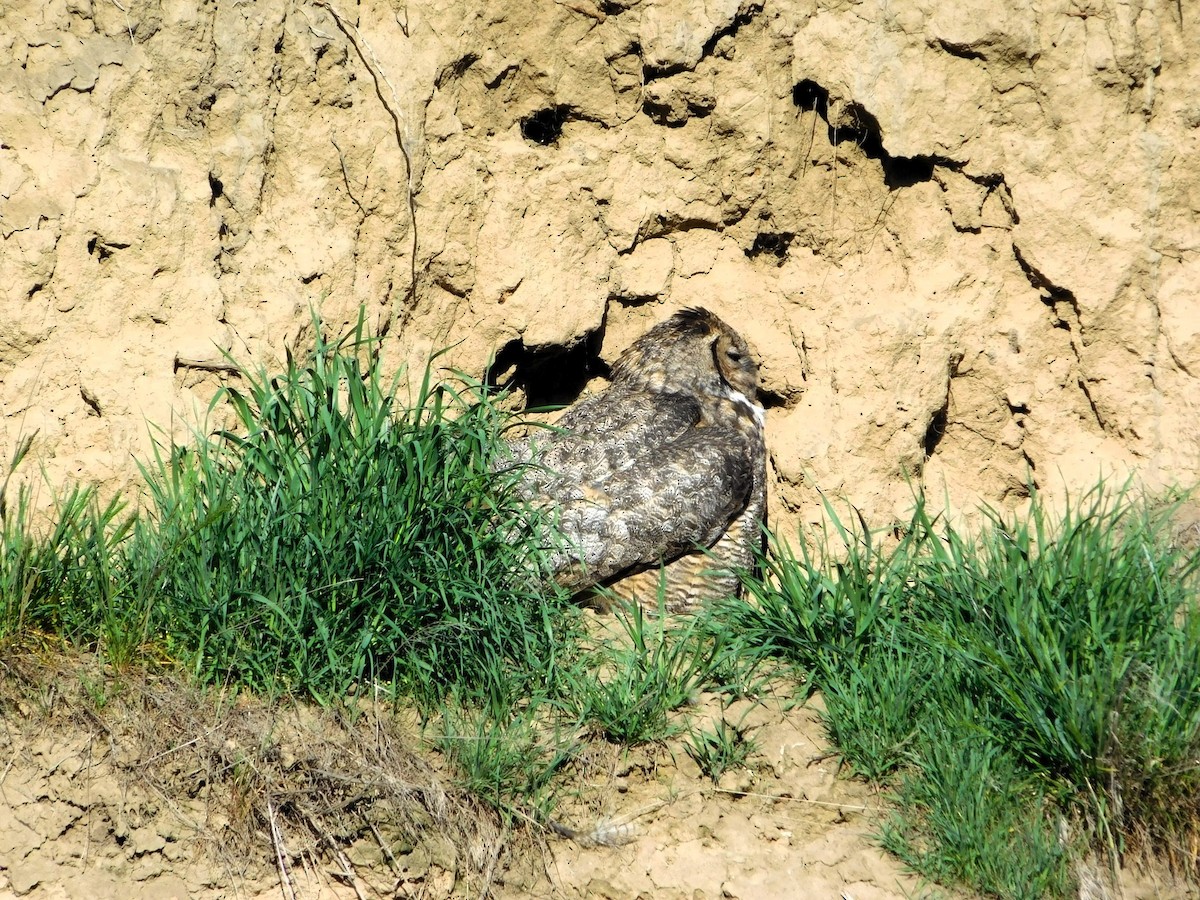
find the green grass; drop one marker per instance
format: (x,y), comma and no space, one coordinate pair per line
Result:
(509,762)
(720,749)
(637,681)
(63,580)
(969,813)
(330,536)
(1037,677)
(336,537)
(1046,669)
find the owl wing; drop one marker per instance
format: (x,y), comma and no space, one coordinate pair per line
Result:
(639,483)
(602,435)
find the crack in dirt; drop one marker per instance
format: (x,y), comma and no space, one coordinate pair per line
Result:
(1054,296)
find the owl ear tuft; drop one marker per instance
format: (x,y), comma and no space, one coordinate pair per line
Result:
(697,320)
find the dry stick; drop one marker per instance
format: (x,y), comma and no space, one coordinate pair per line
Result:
(285,879)
(311,873)
(776,797)
(8,767)
(209,732)
(128,24)
(377,74)
(207,365)
(384,847)
(347,869)
(87,798)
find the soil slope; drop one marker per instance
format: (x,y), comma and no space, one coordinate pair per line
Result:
(963,238)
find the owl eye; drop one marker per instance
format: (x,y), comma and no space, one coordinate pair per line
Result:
(734,354)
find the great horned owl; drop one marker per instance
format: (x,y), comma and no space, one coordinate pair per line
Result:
(665,467)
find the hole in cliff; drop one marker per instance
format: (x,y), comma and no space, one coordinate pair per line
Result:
(102,250)
(859,126)
(215,187)
(862,128)
(961,50)
(632,301)
(811,97)
(936,430)
(773,399)
(744,17)
(905,171)
(855,123)
(771,244)
(550,378)
(91,401)
(663,114)
(544,126)
(653,73)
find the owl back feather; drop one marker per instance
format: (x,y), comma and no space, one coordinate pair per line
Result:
(665,467)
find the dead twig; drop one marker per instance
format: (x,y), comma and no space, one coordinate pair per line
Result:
(285,878)
(347,870)
(395,866)
(207,365)
(782,799)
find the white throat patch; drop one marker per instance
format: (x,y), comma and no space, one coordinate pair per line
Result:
(740,399)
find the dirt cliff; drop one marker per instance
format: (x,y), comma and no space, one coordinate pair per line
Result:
(964,238)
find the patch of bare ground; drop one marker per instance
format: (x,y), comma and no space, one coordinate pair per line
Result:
(788,824)
(143,785)
(133,784)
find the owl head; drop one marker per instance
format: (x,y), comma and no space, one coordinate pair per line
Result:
(691,351)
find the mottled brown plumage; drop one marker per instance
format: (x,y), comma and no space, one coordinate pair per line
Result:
(665,467)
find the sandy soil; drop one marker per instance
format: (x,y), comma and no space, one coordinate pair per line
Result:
(142,790)
(787,826)
(87,809)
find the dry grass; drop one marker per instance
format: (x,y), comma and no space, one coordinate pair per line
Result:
(266,789)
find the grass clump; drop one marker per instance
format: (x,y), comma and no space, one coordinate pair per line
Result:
(720,749)
(980,819)
(637,681)
(508,762)
(331,537)
(1045,670)
(64,581)
(338,537)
